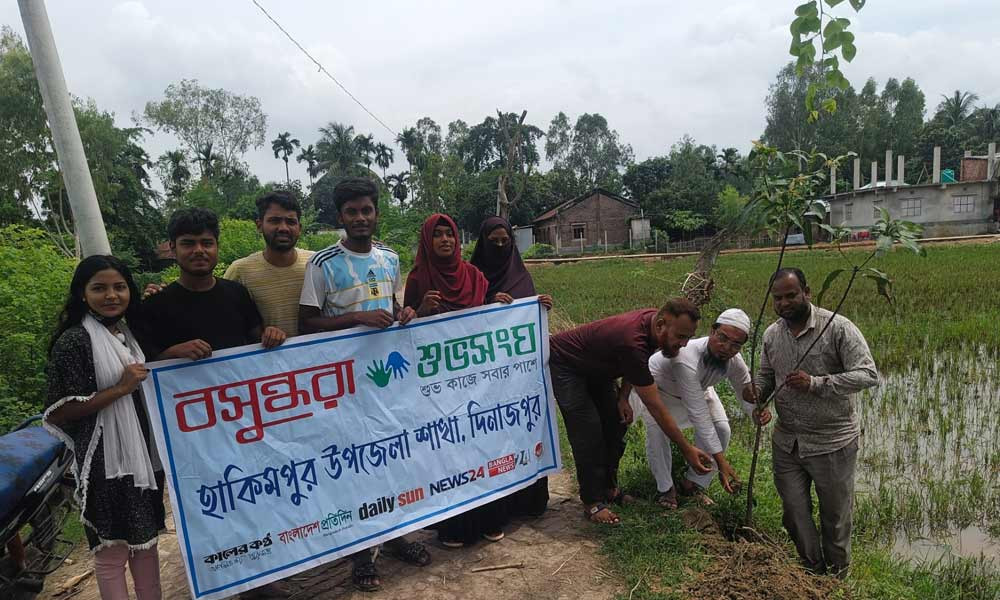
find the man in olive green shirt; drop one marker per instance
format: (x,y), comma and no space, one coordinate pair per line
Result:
(816,437)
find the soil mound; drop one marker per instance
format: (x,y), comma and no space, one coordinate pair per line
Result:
(744,570)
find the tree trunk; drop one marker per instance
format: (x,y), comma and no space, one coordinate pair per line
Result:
(503,206)
(699,283)
(288,179)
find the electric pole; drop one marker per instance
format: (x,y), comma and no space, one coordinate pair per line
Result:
(65,135)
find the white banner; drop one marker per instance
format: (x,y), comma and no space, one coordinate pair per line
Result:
(280,460)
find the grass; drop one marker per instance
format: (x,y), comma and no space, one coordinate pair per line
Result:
(931,447)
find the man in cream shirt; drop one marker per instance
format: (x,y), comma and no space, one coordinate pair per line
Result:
(685,388)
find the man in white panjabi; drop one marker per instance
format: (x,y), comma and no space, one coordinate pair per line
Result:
(685,388)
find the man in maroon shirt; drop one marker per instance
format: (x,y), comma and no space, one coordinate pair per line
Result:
(585,363)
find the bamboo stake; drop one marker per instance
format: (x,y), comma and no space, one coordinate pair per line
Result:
(519,565)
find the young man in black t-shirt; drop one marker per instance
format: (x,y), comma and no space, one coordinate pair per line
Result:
(199,312)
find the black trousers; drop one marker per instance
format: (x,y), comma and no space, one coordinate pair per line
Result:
(596,434)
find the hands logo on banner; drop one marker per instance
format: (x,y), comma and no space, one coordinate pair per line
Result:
(394,367)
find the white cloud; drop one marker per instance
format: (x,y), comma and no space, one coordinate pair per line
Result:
(655,70)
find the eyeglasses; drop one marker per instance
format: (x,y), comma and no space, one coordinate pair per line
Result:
(727,341)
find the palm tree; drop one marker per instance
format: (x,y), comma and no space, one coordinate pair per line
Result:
(729,162)
(411,144)
(366,147)
(308,156)
(383,157)
(336,149)
(397,183)
(206,160)
(956,108)
(177,171)
(283,146)
(986,120)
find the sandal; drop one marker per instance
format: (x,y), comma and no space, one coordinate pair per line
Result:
(493,537)
(667,499)
(697,494)
(620,498)
(413,553)
(366,578)
(450,543)
(591,513)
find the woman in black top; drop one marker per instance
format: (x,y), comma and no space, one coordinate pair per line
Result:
(95,407)
(498,258)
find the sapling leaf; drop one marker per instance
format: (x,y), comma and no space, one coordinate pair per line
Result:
(883,245)
(833,41)
(794,28)
(849,51)
(826,284)
(832,3)
(882,283)
(807,10)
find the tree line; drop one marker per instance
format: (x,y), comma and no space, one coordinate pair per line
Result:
(506,161)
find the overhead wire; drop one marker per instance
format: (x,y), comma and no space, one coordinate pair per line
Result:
(323,70)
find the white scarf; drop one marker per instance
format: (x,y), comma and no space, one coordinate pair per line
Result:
(125,449)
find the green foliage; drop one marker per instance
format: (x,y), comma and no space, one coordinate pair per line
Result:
(34,281)
(590,150)
(238,238)
(815,25)
(684,220)
(25,144)
(119,167)
(539,251)
(735,213)
(482,147)
(225,123)
(318,241)
(229,192)
(400,229)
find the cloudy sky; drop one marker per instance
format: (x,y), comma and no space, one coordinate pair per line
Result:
(656,70)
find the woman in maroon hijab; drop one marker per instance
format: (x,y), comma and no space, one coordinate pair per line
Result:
(497,256)
(441,282)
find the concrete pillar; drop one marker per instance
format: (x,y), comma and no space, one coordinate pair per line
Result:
(874,173)
(937,165)
(900,165)
(833,180)
(991,160)
(857,173)
(87,219)
(888,168)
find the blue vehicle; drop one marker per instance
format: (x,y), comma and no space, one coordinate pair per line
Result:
(36,491)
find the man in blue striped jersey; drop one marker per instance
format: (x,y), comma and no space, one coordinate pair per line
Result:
(352,283)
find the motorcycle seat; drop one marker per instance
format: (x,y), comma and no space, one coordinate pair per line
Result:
(24,456)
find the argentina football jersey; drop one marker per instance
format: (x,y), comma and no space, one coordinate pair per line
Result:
(353,282)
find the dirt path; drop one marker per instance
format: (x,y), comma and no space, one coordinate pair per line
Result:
(560,558)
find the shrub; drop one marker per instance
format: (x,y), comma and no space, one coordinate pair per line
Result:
(539,251)
(34,281)
(318,241)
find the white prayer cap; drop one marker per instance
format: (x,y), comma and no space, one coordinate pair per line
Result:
(735,318)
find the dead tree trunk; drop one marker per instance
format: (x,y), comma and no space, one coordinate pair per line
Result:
(512,161)
(698,285)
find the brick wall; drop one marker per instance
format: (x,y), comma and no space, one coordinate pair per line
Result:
(596,215)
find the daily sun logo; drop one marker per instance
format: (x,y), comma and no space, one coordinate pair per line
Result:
(372,284)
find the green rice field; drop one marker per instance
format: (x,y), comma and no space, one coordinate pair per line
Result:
(927,517)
